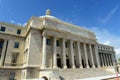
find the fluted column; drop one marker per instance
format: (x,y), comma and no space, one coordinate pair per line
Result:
(97,57)
(91,55)
(72,54)
(44,53)
(54,53)
(79,55)
(86,56)
(3,52)
(64,53)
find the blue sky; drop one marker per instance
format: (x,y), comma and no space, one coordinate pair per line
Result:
(100,16)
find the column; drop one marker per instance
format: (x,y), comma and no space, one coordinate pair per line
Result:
(54,53)
(107,59)
(104,59)
(97,57)
(44,53)
(64,53)
(3,52)
(79,55)
(86,56)
(111,59)
(72,54)
(91,55)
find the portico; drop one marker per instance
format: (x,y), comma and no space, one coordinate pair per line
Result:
(69,53)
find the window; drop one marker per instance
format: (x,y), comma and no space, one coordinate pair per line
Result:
(66,44)
(58,43)
(18,31)
(2,29)
(48,41)
(14,59)
(12,76)
(16,45)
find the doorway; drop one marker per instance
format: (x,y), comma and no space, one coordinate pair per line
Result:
(1,46)
(68,63)
(59,63)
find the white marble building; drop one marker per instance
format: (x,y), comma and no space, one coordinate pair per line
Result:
(47,45)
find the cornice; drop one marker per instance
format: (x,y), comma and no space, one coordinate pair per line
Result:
(12,25)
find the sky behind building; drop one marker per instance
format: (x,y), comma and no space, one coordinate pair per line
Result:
(100,16)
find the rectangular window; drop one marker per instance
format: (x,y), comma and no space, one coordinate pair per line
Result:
(12,76)
(14,59)
(48,41)
(58,43)
(18,31)
(2,29)
(16,45)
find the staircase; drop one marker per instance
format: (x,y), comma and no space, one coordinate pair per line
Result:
(71,74)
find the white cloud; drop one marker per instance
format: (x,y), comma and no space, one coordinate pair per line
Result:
(107,42)
(105,37)
(109,15)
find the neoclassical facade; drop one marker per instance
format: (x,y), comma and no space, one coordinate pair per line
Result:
(45,46)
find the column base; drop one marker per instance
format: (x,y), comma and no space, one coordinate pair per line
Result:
(88,67)
(65,67)
(73,66)
(80,66)
(93,66)
(55,67)
(43,66)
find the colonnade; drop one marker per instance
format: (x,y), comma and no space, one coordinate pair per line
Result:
(106,59)
(90,54)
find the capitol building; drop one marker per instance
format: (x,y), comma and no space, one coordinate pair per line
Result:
(52,49)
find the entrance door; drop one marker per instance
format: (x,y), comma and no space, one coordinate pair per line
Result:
(68,63)
(59,63)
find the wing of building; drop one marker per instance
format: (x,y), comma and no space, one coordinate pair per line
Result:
(48,47)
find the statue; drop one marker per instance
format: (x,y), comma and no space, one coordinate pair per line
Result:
(48,12)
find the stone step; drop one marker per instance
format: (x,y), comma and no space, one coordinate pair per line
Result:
(71,74)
